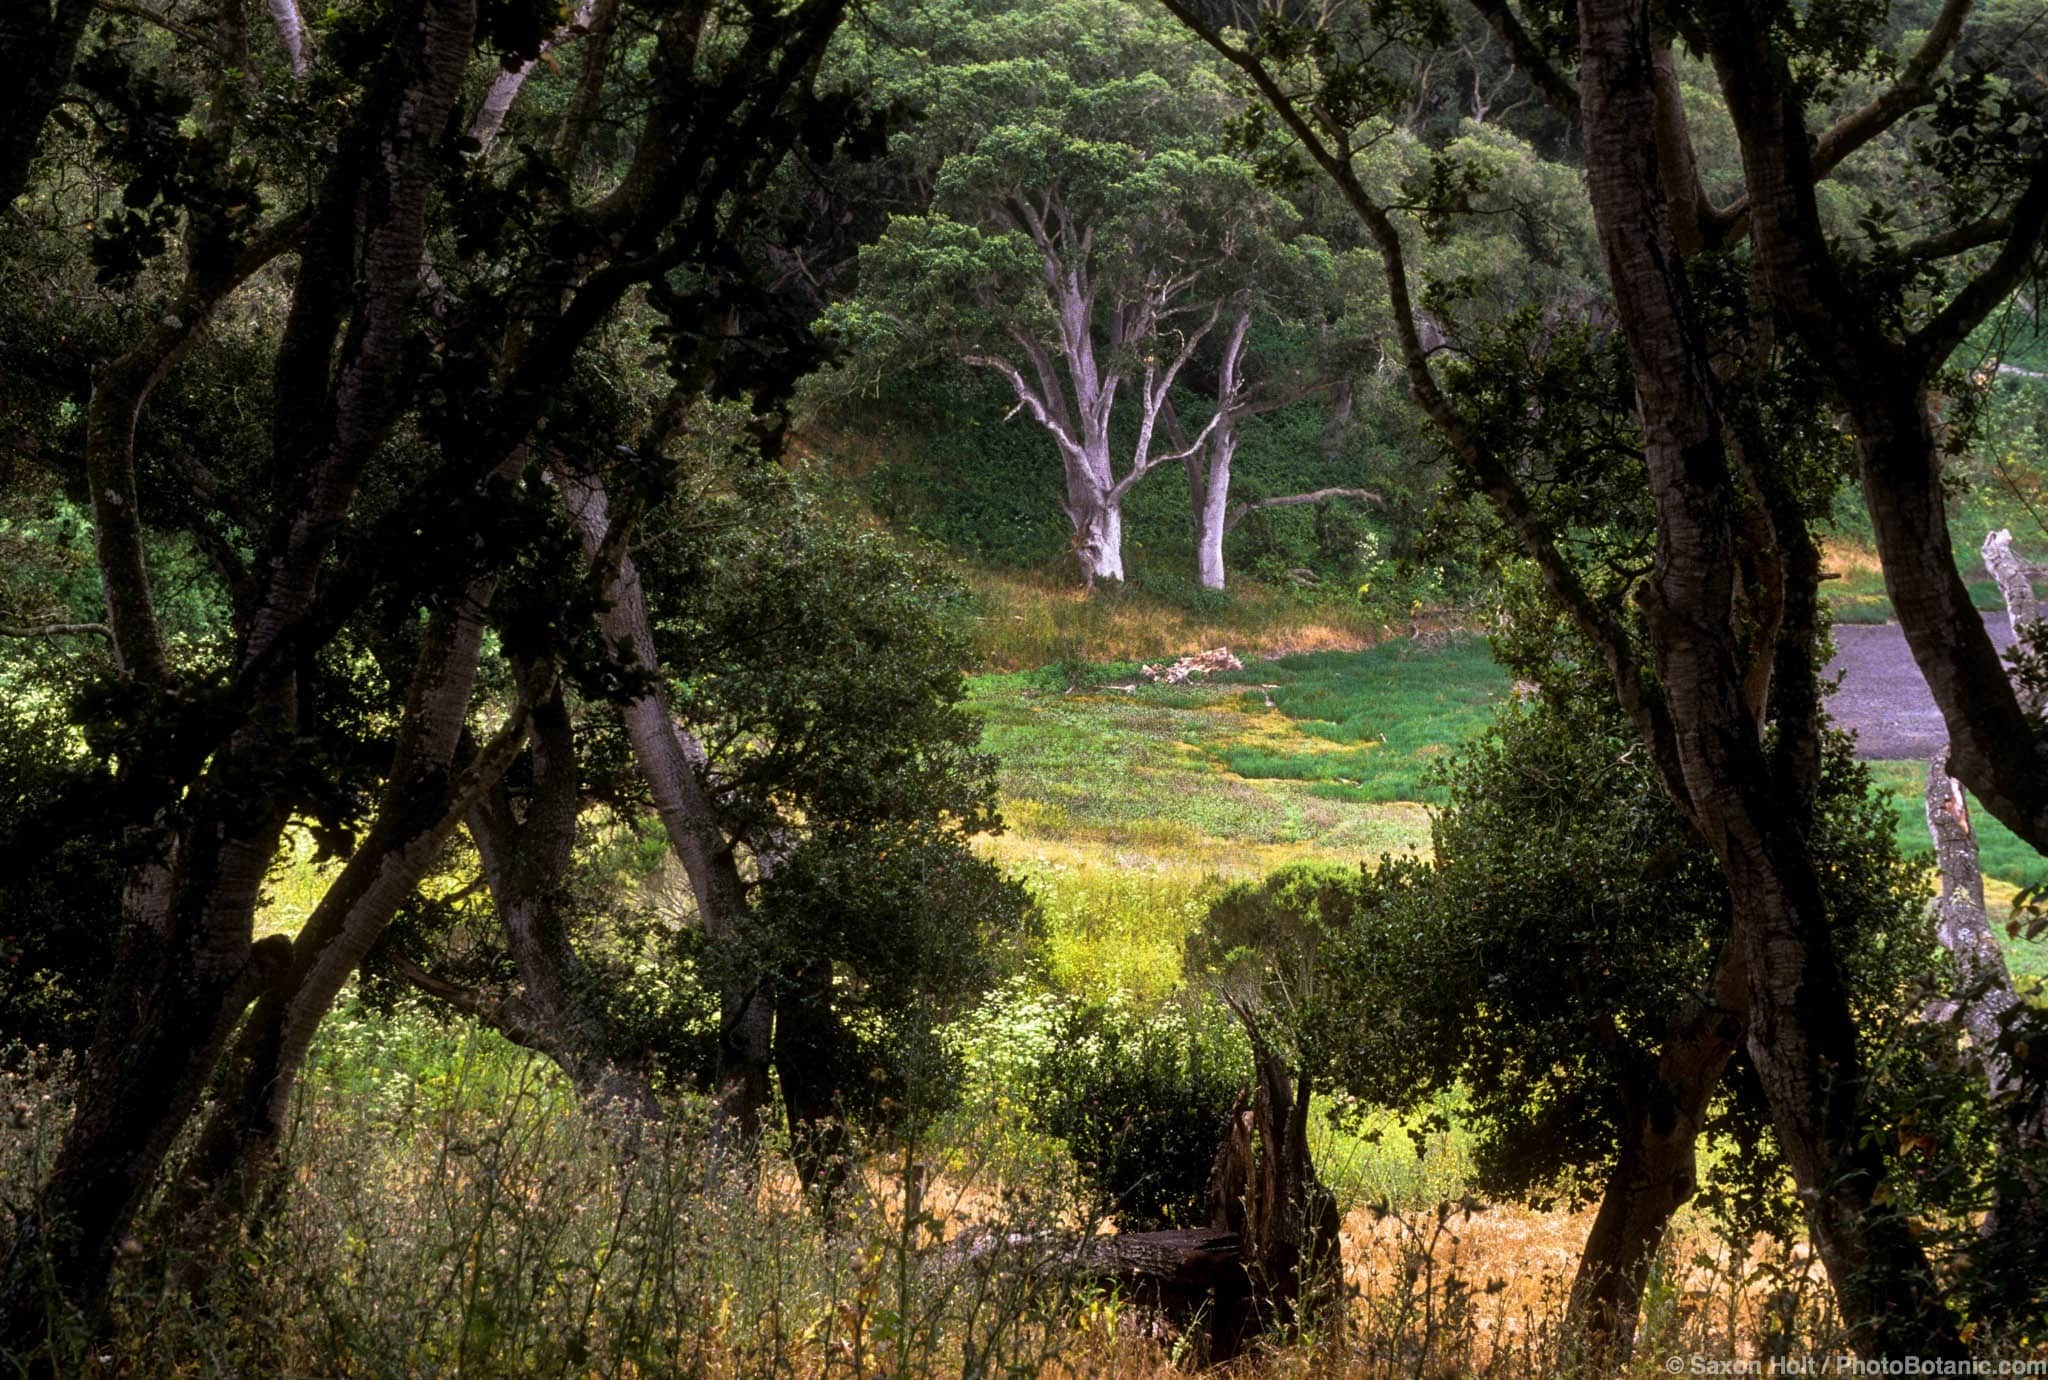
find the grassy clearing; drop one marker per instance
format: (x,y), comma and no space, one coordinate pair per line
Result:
(1129,804)
(1859,597)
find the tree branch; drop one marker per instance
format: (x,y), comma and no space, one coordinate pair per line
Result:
(148,15)
(1933,343)
(1528,55)
(1913,88)
(506,85)
(57,630)
(1240,511)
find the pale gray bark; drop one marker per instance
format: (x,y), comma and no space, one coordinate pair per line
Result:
(2020,605)
(291,31)
(1071,389)
(1983,990)
(1212,512)
(505,86)
(1209,460)
(672,762)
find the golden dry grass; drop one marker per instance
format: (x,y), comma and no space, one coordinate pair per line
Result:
(1037,618)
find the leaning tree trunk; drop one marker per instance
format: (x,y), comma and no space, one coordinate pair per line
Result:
(1985,999)
(38,46)
(235,1159)
(1655,1172)
(671,761)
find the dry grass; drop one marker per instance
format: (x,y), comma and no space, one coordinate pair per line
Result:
(1041,618)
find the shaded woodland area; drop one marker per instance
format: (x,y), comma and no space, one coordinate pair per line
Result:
(589,714)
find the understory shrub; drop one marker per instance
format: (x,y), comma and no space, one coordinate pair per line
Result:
(1142,1101)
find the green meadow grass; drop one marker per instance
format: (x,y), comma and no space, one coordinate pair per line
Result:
(1130,804)
(1858,595)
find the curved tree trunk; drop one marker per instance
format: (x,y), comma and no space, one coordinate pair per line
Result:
(428,790)
(671,761)
(811,1064)
(1655,1173)
(526,865)
(1801,1036)
(38,44)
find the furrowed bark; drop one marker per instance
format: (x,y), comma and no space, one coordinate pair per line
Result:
(38,44)
(189,905)
(590,81)
(1801,1037)
(320,453)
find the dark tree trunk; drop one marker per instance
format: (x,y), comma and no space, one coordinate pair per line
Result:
(38,45)
(234,1159)
(526,865)
(1655,1173)
(1883,382)
(1801,1036)
(1264,1191)
(811,1063)
(1270,1258)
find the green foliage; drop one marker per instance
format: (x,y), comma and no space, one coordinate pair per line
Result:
(1536,962)
(1142,1101)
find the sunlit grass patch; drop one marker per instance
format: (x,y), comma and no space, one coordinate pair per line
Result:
(1043,618)
(295,885)
(1323,755)
(1115,931)
(1856,593)
(1382,1157)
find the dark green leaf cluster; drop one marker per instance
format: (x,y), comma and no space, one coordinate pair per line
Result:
(1143,1102)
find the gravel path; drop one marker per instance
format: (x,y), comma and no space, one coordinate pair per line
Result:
(1882,699)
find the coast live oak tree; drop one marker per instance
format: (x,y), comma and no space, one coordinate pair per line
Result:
(436,303)
(1711,649)
(1088,242)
